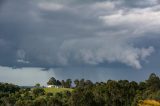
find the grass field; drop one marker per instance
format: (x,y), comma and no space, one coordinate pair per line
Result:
(149,103)
(55,90)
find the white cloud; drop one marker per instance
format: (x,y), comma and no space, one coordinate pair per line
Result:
(137,21)
(103,5)
(147,2)
(51,6)
(22,61)
(21,54)
(21,57)
(137,16)
(148,53)
(112,45)
(103,49)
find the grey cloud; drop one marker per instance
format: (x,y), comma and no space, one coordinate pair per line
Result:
(138,3)
(72,34)
(98,50)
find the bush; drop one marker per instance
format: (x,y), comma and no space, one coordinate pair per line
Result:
(38,91)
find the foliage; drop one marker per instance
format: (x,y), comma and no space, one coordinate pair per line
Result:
(5,87)
(52,81)
(85,93)
(38,91)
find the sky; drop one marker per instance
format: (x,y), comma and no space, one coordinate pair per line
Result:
(92,39)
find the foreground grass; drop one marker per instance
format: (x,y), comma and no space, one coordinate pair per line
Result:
(149,103)
(56,90)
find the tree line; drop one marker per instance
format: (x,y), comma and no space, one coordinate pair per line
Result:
(65,84)
(85,93)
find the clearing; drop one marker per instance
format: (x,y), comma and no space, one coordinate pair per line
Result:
(55,90)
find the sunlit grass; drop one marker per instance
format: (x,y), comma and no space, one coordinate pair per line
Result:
(149,103)
(55,90)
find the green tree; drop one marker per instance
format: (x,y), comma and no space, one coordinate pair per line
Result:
(38,91)
(40,102)
(68,83)
(37,85)
(54,102)
(63,83)
(153,82)
(52,81)
(82,97)
(58,83)
(76,82)
(82,83)
(88,83)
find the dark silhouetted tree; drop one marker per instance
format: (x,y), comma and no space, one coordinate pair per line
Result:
(52,81)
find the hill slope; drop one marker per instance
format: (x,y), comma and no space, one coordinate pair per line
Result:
(55,90)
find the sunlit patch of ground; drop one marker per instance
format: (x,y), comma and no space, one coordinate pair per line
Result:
(56,90)
(149,103)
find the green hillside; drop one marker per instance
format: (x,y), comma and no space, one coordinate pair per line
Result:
(55,90)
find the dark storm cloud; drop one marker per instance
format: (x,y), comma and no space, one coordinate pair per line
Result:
(92,39)
(59,33)
(1,3)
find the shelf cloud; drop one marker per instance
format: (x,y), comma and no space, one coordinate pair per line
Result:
(92,39)
(73,33)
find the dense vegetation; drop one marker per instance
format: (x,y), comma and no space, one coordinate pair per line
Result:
(85,93)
